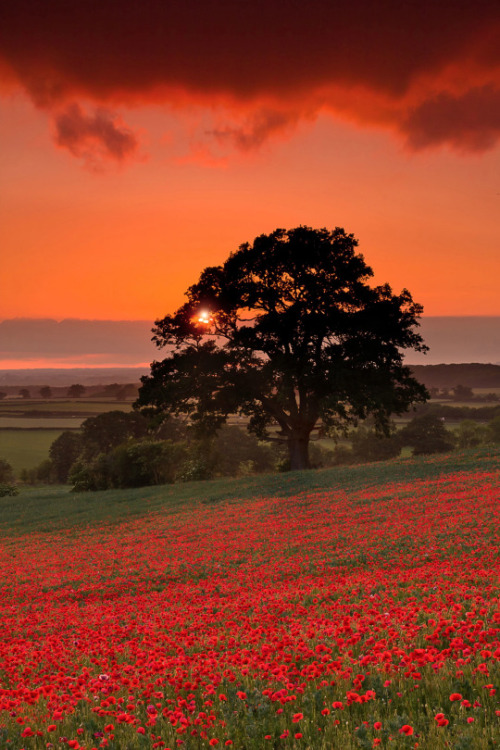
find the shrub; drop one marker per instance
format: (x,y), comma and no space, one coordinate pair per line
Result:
(367,445)
(91,475)
(470,434)
(343,455)
(6,472)
(494,430)
(8,489)
(147,462)
(319,457)
(132,464)
(233,447)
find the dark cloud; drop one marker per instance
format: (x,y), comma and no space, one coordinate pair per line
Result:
(95,138)
(470,121)
(287,53)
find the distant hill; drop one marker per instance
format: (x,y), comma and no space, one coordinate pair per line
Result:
(474,375)
(29,343)
(87,376)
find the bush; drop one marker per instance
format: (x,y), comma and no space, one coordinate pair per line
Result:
(146,462)
(132,464)
(343,455)
(8,490)
(494,430)
(367,445)
(91,475)
(6,472)
(319,457)
(470,434)
(233,450)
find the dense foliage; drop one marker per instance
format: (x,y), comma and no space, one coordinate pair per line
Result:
(287,332)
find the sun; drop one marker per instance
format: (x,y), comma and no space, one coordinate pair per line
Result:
(204,317)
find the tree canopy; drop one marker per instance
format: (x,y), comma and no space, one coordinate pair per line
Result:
(287,332)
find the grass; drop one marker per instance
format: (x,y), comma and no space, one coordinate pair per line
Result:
(52,508)
(28,427)
(25,449)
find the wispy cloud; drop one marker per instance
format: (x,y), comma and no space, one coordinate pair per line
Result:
(95,138)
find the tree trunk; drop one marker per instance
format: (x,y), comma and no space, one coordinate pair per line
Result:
(298,451)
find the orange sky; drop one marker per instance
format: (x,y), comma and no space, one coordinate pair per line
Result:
(116,192)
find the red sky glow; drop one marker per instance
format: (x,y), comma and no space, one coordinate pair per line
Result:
(144,141)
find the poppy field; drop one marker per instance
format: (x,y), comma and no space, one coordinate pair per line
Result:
(357,616)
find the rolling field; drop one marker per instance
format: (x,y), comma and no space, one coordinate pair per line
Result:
(25,449)
(352,608)
(28,427)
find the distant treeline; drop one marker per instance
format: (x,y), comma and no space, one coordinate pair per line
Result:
(474,375)
(457,413)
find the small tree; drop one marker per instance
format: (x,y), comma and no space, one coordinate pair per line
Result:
(46,391)
(289,333)
(112,389)
(129,390)
(63,453)
(76,391)
(2,395)
(462,393)
(427,434)
(108,430)
(24,393)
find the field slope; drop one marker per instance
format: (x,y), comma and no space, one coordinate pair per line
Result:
(354,608)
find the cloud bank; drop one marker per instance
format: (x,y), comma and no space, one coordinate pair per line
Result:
(30,342)
(428,70)
(75,341)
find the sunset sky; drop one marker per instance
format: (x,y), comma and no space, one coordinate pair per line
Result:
(142,141)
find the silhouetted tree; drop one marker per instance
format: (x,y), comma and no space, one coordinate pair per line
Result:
(76,391)
(2,395)
(24,393)
(46,391)
(288,331)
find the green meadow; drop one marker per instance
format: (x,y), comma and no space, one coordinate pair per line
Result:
(25,449)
